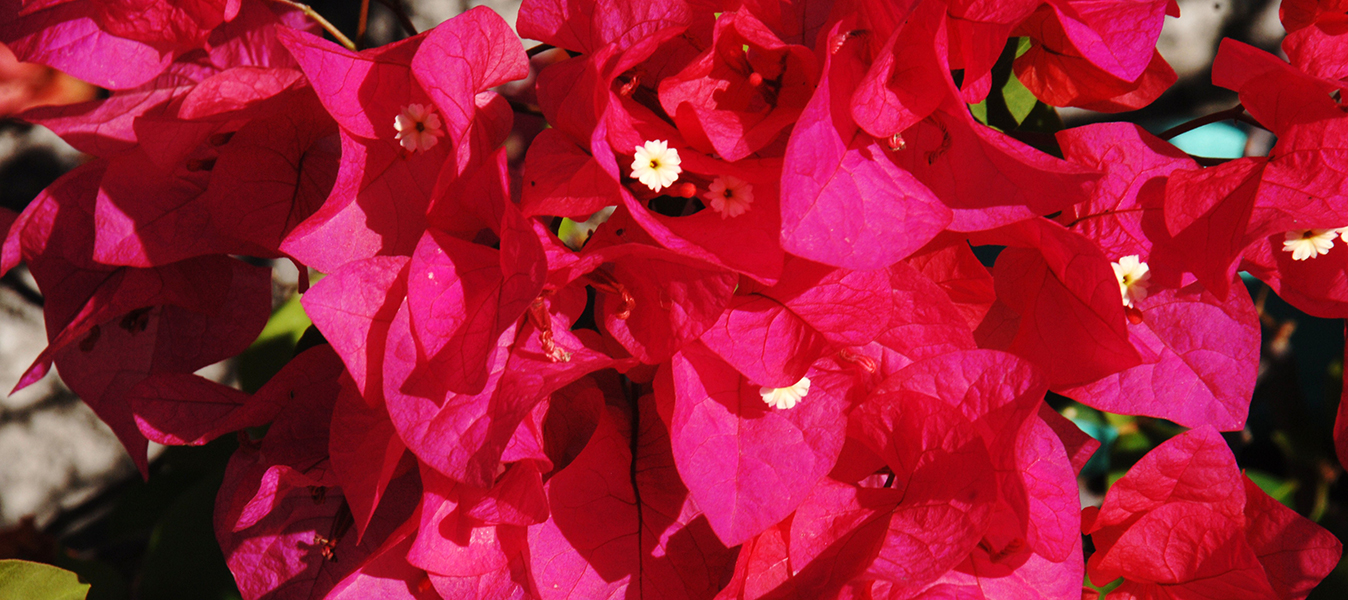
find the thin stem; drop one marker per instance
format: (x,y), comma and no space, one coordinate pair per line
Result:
(403,19)
(328,27)
(1208,161)
(11,280)
(539,49)
(522,108)
(363,23)
(1236,113)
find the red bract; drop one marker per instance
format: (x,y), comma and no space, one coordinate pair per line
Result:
(134,43)
(780,370)
(562,179)
(1315,40)
(447,275)
(843,202)
(978,31)
(182,409)
(1217,532)
(895,93)
(465,556)
(623,522)
(353,308)
(747,243)
(384,187)
(278,507)
(110,327)
(655,301)
(1096,55)
(750,464)
(463,436)
(742,92)
(365,452)
(1058,304)
(1193,345)
(246,54)
(773,335)
(586,26)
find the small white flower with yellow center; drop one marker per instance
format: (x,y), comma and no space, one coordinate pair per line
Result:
(656,165)
(418,127)
(787,397)
(1305,244)
(1134,276)
(730,196)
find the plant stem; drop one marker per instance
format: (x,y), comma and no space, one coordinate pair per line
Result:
(328,27)
(1236,113)
(522,108)
(363,23)
(539,49)
(1208,161)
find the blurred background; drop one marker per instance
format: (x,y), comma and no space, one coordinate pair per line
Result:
(70,496)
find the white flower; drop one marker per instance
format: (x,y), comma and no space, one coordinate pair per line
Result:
(418,127)
(730,196)
(786,397)
(1133,276)
(1305,244)
(656,165)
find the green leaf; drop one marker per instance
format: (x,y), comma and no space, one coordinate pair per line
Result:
(183,559)
(288,322)
(980,111)
(274,346)
(1280,489)
(36,581)
(1019,100)
(105,581)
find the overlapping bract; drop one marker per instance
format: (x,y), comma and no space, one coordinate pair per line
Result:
(500,413)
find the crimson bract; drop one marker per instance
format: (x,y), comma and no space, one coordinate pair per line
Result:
(719,332)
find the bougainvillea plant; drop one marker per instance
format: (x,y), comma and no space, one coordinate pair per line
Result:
(721,333)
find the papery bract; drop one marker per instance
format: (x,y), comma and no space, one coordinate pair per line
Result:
(585,26)
(184,409)
(673,300)
(1064,291)
(561,178)
(282,525)
(622,522)
(1096,55)
(1194,346)
(844,202)
(466,557)
(365,452)
(714,98)
(462,296)
(749,464)
(353,308)
(1315,40)
(111,327)
(1217,528)
(463,436)
(773,335)
(378,202)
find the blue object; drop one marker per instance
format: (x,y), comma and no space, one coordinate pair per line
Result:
(1214,140)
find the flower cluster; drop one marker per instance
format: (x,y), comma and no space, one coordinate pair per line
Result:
(764,361)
